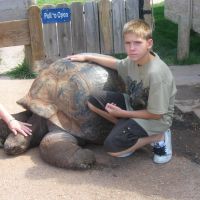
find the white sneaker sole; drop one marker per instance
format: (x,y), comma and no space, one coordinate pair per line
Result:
(162,159)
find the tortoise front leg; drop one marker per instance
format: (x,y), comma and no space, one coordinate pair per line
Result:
(61,149)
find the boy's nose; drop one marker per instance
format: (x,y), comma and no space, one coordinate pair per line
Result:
(132,46)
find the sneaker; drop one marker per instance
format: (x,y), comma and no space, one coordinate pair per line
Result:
(163,149)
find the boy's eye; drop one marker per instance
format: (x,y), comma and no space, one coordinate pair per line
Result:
(137,42)
(133,43)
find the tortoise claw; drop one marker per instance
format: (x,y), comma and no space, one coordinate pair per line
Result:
(83,159)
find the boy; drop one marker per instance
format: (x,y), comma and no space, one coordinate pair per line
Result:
(143,115)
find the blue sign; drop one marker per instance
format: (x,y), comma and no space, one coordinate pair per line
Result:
(55,15)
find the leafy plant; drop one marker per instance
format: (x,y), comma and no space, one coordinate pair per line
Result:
(22,71)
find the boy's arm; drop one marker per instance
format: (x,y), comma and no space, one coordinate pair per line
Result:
(140,114)
(115,111)
(104,60)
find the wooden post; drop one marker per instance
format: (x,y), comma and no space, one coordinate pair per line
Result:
(184,26)
(28,56)
(36,33)
(35,51)
(28,50)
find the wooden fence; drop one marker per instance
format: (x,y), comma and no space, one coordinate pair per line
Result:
(95,26)
(21,25)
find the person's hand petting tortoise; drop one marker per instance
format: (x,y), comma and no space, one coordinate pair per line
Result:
(14,125)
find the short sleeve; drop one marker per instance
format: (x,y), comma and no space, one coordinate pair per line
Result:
(122,67)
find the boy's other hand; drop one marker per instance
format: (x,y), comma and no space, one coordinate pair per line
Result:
(113,109)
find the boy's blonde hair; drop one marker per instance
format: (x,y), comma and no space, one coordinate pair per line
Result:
(138,27)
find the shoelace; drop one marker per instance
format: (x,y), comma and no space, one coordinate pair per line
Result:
(159,150)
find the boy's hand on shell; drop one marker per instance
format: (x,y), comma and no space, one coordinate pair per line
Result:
(77,57)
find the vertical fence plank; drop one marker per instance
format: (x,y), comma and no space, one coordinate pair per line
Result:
(35,26)
(132,9)
(78,29)
(147,16)
(91,27)
(105,27)
(64,36)
(50,38)
(118,10)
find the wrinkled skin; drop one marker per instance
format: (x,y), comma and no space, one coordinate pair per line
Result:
(17,144)
(62,121)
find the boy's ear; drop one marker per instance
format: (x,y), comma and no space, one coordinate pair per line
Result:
(150,43)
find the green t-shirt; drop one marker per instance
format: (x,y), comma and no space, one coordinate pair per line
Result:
(151,87)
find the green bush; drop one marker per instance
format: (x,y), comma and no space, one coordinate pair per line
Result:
(165,39)
(22,71)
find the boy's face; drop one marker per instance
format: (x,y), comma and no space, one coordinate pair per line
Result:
(136,47)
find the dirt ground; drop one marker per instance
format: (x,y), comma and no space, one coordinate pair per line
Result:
(27,177)
(186,138)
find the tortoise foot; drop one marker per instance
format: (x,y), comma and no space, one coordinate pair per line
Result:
(83,159)
(61,149)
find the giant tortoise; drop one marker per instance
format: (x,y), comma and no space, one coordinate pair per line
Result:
(62,121)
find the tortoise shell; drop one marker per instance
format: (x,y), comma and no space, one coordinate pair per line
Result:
(60,93)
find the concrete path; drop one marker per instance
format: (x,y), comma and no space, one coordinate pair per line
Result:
(188,84)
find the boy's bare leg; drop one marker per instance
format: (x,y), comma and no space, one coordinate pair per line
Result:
(139,144)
